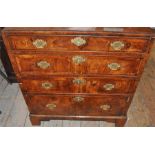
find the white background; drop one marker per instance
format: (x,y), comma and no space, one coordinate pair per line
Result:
(77,141)
(77,13)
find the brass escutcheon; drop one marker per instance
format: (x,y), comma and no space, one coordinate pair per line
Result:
(39,43)
(78,41)
(105,107)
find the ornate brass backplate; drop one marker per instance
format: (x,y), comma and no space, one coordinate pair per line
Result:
(78,99)
(39,43)
(47,85)
(78,41)
(117,45)
(43,64)
(51,106)
(114,66)
(108,86)
(105,107)
(78,59)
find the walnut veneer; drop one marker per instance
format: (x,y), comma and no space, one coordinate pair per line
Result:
(78,73)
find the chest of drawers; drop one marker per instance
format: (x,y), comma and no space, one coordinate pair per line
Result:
(78,73)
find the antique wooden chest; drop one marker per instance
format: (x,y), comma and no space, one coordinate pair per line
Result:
(78,73)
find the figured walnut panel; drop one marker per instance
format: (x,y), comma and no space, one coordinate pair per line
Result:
(66,105)
(64,43)
(106,63)
(63,64)
(92,85)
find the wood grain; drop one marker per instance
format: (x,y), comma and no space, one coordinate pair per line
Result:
(64,43)
(26,65)
(94,85)
(92,60)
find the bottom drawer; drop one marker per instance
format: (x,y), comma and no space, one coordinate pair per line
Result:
(73,105)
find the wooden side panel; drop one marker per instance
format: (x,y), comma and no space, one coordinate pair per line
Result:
(6,62)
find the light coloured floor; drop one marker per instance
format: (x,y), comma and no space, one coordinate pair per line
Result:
(141,112)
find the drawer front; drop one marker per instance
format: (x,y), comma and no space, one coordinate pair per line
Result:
(102,106)
(77,105)
(76,43)
(79,85)
(50,105)
(76,64)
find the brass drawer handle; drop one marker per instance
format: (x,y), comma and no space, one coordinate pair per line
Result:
(39,43)
(108,86)
(47,85)
(114,66)
(79,81)
(117,45)
(43,64)
(78,41)
(51,106)
(78,99)
(78,59)
(105,107)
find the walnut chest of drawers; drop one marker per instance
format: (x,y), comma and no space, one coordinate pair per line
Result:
(78,73)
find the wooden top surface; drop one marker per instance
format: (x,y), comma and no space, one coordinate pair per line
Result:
(134,31)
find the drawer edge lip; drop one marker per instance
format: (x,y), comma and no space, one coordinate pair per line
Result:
(79,117)
(37,77)
(77,94)
(46,77)
(63,32)
(120,54)
(134,53)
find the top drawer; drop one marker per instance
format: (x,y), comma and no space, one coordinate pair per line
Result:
(76,43)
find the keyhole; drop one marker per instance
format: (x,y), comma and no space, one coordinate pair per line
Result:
(94,83)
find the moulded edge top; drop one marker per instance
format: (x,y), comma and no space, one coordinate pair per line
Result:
(131,31)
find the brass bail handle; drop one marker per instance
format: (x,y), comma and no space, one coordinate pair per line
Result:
(78,41)
(51,106)
(105,107)
(114,66)
(39,43)
(43,64)
(108,86)
(117,45)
